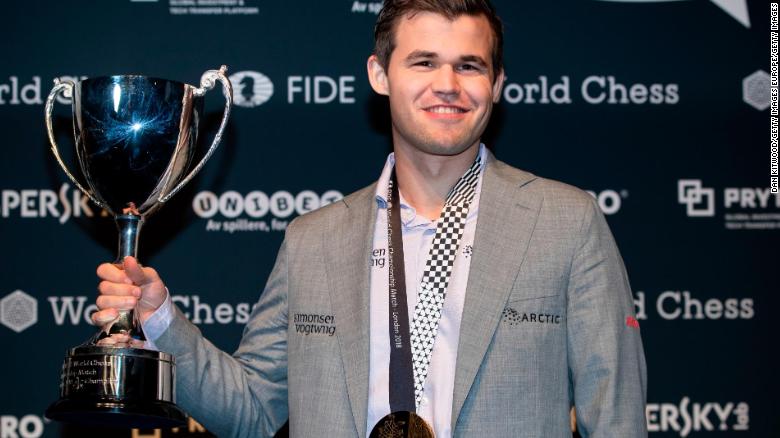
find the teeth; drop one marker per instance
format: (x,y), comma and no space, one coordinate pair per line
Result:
(445,110)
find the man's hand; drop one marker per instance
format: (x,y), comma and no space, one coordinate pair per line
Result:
(131,286)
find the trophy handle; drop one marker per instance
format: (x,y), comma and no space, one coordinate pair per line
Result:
(207,82)
(67,88)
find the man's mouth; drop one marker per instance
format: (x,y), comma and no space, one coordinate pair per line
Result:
(445,109)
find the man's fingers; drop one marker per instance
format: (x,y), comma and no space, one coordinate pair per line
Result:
(114,339)
(119,340)
(135,271)
(111,288)
(110,272)
(116,302)
(103,317)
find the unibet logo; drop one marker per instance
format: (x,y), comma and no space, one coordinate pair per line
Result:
(699,201)
(363,7)
(257,204)
(687,417)
(251,88)
(737,9)
(18,311)
(755,90)
(29,426)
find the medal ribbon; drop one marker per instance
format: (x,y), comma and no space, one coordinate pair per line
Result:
(410,350)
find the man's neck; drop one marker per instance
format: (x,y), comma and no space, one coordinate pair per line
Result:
(425,179)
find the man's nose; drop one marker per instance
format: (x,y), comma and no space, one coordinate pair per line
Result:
(445,82)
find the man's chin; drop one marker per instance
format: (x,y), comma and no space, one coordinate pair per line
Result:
(447,148)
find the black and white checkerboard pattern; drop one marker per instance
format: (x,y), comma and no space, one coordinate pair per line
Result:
(433,286)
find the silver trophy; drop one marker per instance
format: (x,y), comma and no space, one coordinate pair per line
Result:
(135,140)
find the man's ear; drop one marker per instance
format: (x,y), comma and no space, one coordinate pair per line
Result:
(498,85)
(377,75)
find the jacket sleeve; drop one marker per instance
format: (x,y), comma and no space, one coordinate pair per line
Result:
(243,395)
(607,370)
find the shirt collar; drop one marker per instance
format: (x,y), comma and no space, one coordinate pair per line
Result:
(408,213)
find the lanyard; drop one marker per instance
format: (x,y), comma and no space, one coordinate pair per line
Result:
(411,345)
(401,388)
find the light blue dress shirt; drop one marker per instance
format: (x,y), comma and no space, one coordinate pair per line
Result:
(418,232)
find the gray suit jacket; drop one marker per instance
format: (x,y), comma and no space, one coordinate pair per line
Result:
(543,328)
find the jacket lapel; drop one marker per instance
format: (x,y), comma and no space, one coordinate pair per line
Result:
(347,244)
(507,217)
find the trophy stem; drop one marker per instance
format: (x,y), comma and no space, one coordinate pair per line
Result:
(129,226)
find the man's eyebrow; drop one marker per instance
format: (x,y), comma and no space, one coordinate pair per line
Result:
(475,59)
(421,54)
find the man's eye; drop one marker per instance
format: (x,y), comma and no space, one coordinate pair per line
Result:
(423,64)
(470,67)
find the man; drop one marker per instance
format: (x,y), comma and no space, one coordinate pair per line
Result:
(516,278)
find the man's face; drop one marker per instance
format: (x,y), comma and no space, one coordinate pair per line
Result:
(439,81)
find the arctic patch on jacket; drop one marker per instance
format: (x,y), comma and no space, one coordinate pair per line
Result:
(513,317)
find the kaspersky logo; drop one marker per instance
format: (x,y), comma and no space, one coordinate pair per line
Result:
(737,9)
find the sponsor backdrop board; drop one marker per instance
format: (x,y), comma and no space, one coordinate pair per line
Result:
(662,110)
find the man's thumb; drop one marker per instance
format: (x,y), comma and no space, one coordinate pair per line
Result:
(134,270)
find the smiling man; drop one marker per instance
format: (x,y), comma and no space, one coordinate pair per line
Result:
(492,302)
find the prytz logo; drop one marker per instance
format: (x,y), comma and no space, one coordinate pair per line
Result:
(737,9)
(32,203)
(747,208)
(699,201)
(664,417)
(18,311)
(755,90)
(251,88)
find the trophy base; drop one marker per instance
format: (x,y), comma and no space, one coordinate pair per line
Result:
(117,387)
(147,415)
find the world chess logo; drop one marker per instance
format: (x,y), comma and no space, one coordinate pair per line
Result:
(755,90)
(251,88)
(18,311)
(699,201)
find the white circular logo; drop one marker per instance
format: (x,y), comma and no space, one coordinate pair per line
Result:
(251,88)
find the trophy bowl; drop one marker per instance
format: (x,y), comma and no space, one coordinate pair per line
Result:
(135,140)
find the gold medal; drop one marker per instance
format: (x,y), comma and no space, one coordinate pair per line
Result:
(402,424)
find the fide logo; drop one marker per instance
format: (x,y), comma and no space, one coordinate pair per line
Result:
(18,311)
(251,88)
(699,201)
